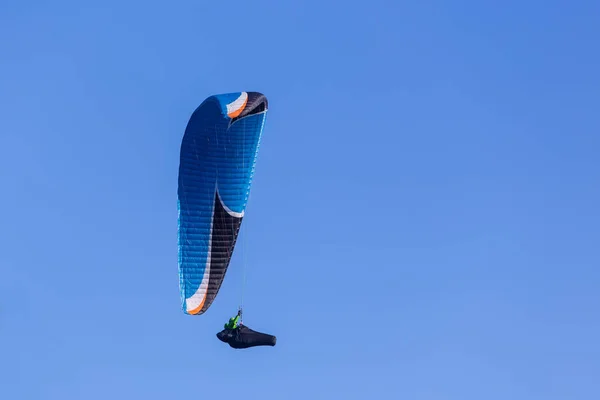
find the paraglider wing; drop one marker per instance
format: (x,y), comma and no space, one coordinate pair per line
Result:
(217,160)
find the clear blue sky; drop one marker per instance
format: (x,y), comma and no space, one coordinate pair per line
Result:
(423,223)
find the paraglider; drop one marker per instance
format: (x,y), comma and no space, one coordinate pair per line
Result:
(240,336)
(217,161)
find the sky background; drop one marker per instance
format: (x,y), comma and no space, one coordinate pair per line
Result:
(423,222)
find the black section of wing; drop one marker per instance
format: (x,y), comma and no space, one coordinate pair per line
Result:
(257,103)
(225,231)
